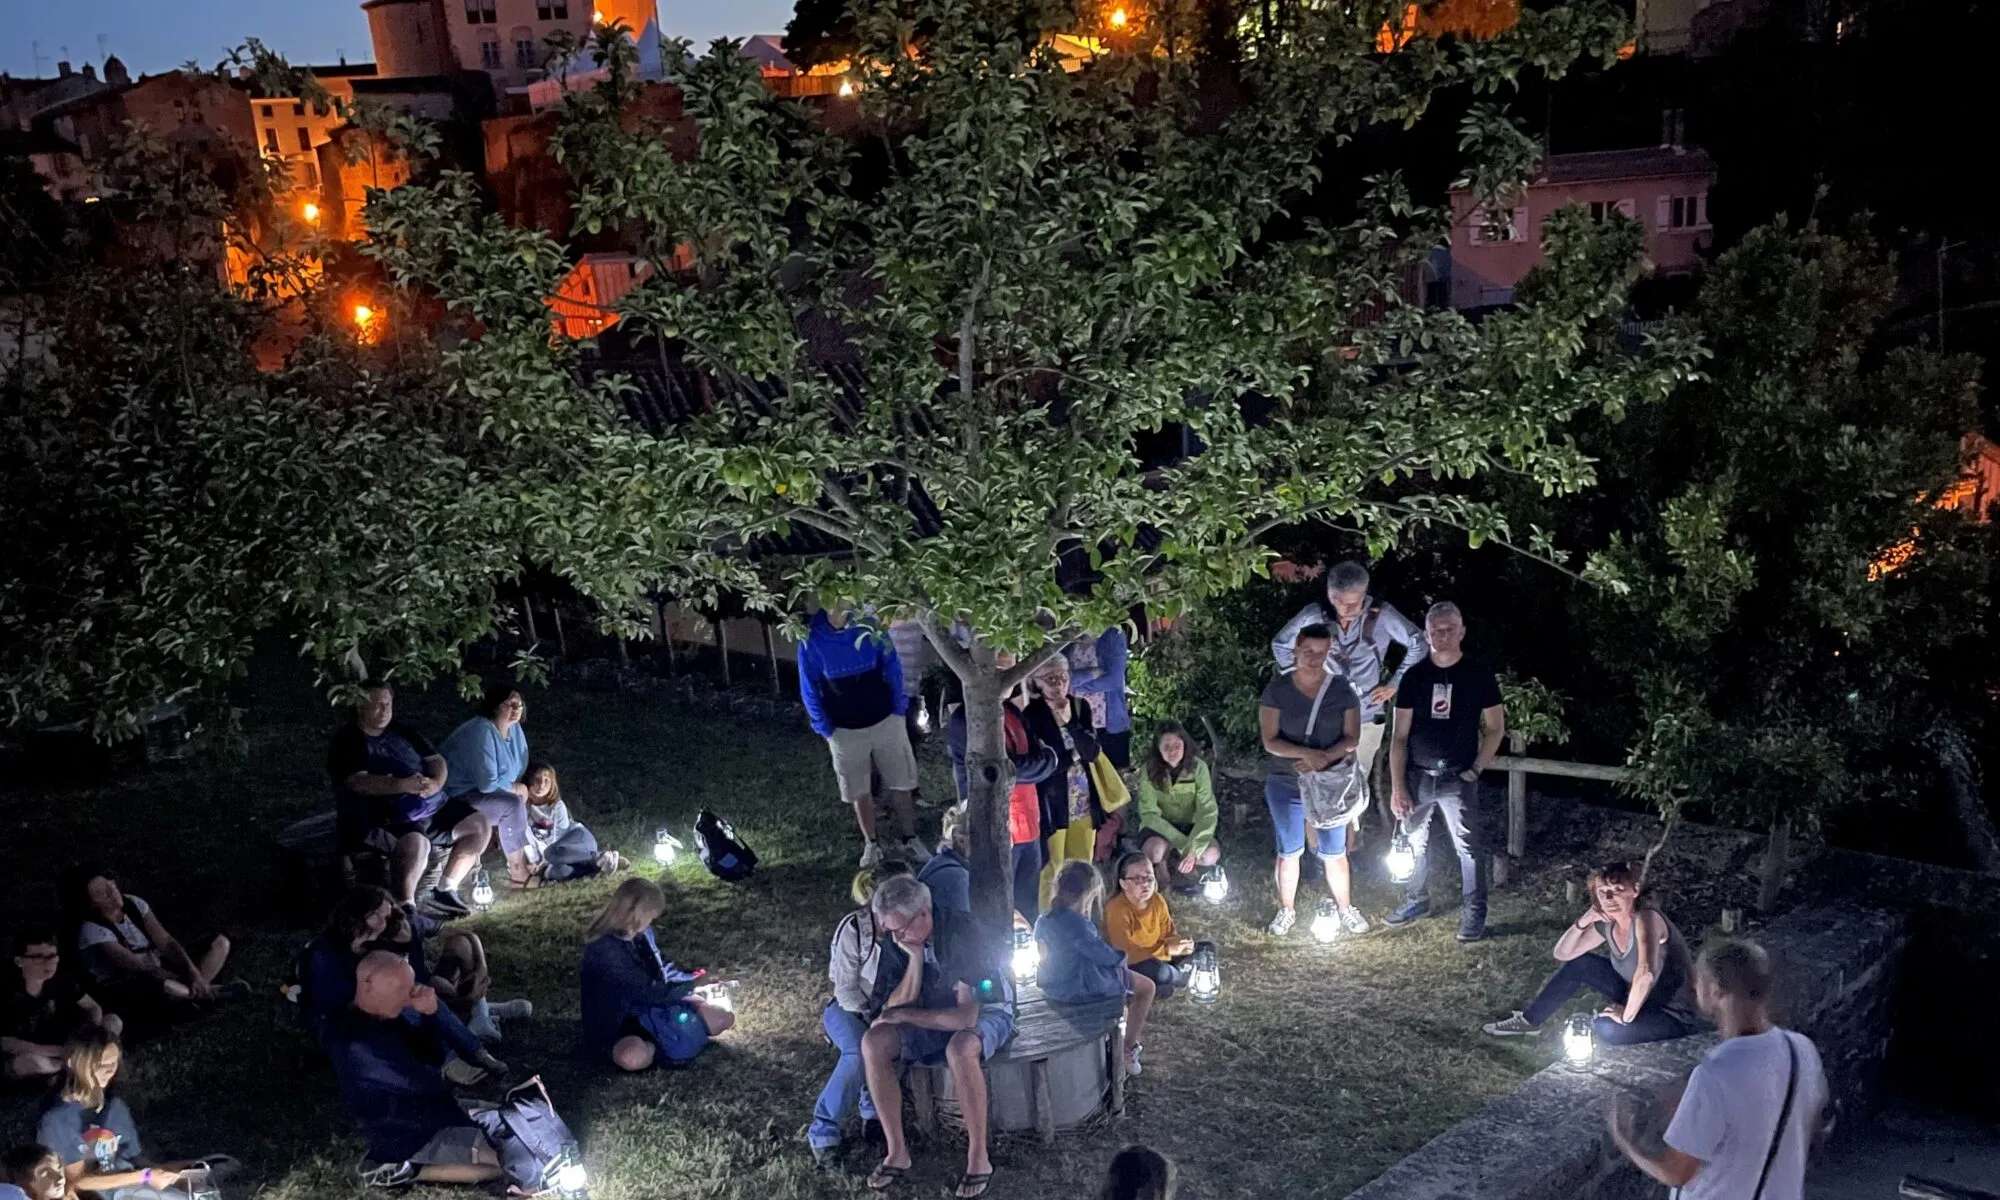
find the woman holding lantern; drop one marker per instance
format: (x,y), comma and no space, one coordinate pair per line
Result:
(1645,970)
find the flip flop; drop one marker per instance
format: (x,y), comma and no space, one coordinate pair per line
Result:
(979,1181)
(888,1176)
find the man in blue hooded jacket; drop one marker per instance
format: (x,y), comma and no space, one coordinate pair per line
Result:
(852,683)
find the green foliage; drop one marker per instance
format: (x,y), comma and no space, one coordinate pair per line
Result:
(1534,711)
(1209,668)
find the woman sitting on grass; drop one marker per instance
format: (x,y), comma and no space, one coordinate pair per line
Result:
(1177,810)
(88,1126)
(1079,965)
(137,968)
(1645,971)
(1137,922)
(559,847)
(639,1009)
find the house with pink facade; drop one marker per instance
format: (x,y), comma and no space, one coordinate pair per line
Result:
(1665,188)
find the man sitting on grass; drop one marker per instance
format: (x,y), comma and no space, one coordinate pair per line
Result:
(393,1086)
(42,1008)
(389,794)
(941,997)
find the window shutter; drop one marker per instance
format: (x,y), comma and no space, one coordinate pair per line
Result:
(1699,215)
(1522,232)
(1662,212)
(1629,207)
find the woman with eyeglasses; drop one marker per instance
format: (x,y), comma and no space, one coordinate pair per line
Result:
(1079,965)
(486,761)
(1137,922)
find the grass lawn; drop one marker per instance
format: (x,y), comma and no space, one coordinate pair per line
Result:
(1319,1067)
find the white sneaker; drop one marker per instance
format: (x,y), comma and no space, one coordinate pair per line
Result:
(1132,1066)
(1282,923)
(512,1010)
(915,852)
(1352,921)
(871,855)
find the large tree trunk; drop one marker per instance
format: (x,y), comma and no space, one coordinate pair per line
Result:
(989,778)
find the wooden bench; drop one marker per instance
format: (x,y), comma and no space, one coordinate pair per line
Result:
(1075,1036)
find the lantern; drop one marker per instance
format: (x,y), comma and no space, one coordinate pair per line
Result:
(565,1175)
(482,890)
(1326,922)
(1120,18)
(1205,980)
(1577,1040)
(1401,860)
(847,87)
(666,847)
(923,716)
(722,995)
(310,212)
(1027,956)
(1215,884)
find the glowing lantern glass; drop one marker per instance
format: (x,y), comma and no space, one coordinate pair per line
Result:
(482,890)
(1027,956)
(1326,922)
(923,716)
(1205,980)
(666,847)
(1119,18)
(1215,884)
(565,1175)
(1401,860)
(847,87)
(363,315)
(1577,1040)
(310,212)
(722,995)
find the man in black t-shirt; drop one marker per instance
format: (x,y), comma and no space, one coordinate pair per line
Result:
(1449,722)
(41,1008)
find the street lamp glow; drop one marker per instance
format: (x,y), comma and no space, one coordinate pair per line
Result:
(310,212)
(847,87)
(1119,18)
(363,316)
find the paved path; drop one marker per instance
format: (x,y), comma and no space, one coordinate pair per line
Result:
(1948,1149)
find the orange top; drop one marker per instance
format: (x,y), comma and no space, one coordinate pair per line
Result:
(1142,933)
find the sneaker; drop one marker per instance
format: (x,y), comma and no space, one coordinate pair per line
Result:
(1282,923)
(1410,911)
(387,1175)
(462,1073)
(1132,1066)
(1472,927)
(1353,922)
(1514,1026)
(871,856)
(512,1010)
(445,901)
(915,852)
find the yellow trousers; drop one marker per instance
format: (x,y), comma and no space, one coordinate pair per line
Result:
(1075,841)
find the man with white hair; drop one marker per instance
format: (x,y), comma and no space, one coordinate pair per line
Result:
(942,996)
(1449,722)
(1367,634)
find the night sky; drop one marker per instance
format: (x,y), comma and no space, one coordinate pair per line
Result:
(154,36)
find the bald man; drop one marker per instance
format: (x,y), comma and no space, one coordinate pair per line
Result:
(389,1067)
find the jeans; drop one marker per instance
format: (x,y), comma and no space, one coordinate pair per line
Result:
(1028,879)
(1458,801)
(1595,972)
(1288,821)
(509,814)
(571,856)
(848,1083)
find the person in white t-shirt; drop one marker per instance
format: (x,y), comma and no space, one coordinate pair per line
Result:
(1751,1110)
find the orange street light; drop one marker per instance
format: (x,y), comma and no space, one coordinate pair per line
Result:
(310,212)
(363,315)
(1119,18)
(847,87)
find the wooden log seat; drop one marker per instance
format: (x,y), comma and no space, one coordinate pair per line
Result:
(1062,1068)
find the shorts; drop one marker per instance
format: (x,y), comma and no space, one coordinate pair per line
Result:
(1166,974)
(454,1146)
(1288,819)
(882,750)
(436,828)
(926,1047)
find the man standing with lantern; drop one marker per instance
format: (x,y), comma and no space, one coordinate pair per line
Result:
(1449,723)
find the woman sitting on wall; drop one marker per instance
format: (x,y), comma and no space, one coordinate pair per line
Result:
(639,1009)
(1645,970)
(1078,965)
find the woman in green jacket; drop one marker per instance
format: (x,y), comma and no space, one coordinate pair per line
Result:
(1177,813)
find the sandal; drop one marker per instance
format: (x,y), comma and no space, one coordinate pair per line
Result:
(975,1180)
(610,861)
(529,882)
(884,1177)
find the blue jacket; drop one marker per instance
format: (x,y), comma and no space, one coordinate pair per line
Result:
(850,678)
(1109,682)
(1077,963)
(949,879)
(328,987)
(480,762)
(391,1083)
(619,978)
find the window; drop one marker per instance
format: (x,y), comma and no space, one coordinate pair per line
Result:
(1682,212)
(489,54)
(271,141)
(524,52)
(1601,210)
(267,112)
(312,175)
(298,108)
(305,140)
(1500,228)
(552,10)
(320,108)
(480,12)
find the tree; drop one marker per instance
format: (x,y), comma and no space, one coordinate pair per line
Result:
(1050,269)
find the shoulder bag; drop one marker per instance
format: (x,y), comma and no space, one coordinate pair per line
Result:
(1337,795)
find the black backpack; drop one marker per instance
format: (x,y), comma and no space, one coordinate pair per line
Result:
(721,852)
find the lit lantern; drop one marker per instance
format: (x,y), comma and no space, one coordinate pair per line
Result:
(364,316)
(565,1175)
(1577,1040)
(1401,860)
(1215,884)
(1326,922)
(847,87)
(310,212)
(722,995)
(1205,980)
(1027,956)
(666,847)
(923,716)
(482,890)
(1119,18)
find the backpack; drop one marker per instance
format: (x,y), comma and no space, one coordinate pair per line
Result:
(727,858)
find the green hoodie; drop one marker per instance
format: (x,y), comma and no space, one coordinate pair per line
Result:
(1184,812)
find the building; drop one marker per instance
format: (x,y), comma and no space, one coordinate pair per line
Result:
(22,100)
(506,40)
(291,130)
(1665,189)
(582,305)
(57,160)
(351,161)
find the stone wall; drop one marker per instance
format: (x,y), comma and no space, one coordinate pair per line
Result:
(1546,1141)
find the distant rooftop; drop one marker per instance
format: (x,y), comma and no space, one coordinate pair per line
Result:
(1650,162)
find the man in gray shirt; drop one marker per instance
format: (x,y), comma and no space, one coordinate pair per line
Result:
(1364,630)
